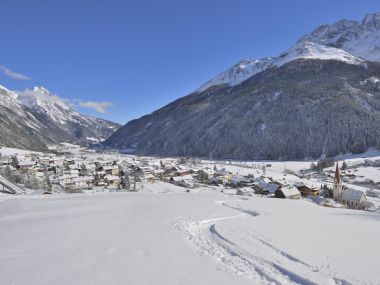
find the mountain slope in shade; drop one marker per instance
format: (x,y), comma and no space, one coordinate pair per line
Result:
(304,108)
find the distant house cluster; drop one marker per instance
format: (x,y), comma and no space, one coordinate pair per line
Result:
(79,169)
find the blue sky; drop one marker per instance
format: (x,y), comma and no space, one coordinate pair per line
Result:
(141,55)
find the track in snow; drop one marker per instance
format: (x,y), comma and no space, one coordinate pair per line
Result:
(268,264)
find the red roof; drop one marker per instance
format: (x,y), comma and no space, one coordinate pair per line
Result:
(337,174)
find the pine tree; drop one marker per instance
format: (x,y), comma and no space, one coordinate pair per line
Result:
(47,184)
(14,161)
(8,172)
(125,182)
(32,182)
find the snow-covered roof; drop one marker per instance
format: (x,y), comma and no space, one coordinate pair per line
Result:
(111,177)
(240,179)
(290,191)
(182,178)
(110,167)
(27,163)
(83,179)
(272,187)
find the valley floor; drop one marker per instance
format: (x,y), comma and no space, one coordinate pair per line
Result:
(166,236)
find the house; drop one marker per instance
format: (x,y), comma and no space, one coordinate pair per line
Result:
(150,178)
(100,174)
(67,180)
(240,181)
(262,182)
(353,199)
(307,190)
(184,181)
(271,188)
(223,172)
(289,192)
(112,180)
(26,165)
(45,160)
(183,172)
(83,182)
(373,193)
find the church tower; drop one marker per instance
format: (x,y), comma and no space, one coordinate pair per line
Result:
(337,184)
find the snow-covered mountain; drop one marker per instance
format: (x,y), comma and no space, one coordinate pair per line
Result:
(9,99)
(319,98)
(34,118)
(361,39)
(47,104)
(42,101)
(347,40)
(239,72)
(303,49)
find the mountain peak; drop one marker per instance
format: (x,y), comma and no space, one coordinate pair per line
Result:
(372,19)
(41,90)
(311,50)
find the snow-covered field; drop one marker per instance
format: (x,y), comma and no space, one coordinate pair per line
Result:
(163,235)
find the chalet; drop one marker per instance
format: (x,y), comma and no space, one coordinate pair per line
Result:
(271,188)
(184,181)
(26,165)
(112,180)
(240,181)
(262,182)
(100,174)
(150,178)
(111,170)
(46,160)
(307,190)
(373,193)
(83,182)
(223,172)
(159,172)
(289,192)
(183,172)
(67,180)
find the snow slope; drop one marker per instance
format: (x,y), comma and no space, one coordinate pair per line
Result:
(42,101)
(302,50)
(172,237)
(9,100)
(361,39)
